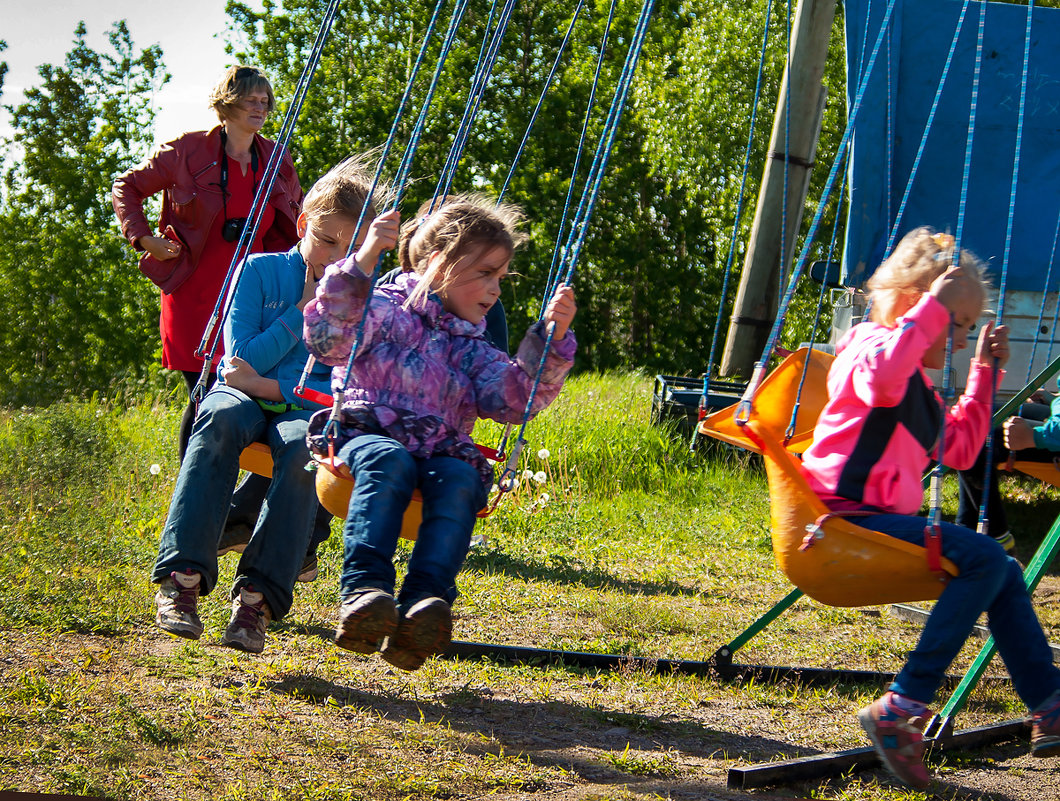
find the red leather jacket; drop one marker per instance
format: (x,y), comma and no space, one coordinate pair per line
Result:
(188,174)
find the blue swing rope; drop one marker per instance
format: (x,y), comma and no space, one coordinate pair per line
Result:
(1041,309)
(331,429)
(491,47)
(790,431)
(731,257)
(387,147)
(783,253)
(744,407)
(541,100)
(938,471)
(579,229)
(927,132)
(561,228)
(988,447)
(208,345)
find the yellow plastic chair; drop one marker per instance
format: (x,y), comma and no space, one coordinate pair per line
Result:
(829,558)
(775,399)
(334,485)
(1043,471)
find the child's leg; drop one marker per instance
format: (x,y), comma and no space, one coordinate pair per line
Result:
(228,421)
(384,478)
(452,494)
(988,580)
(272,559)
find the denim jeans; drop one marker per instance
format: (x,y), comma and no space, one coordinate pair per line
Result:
(385,474)
(990,581)
(248,498)
(227,422)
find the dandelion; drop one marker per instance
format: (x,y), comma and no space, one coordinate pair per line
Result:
(528,474)
(156,469)
(544,498)
(543,454)
(540,477)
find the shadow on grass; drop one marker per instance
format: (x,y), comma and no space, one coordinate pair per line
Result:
(544,727)
(559,569)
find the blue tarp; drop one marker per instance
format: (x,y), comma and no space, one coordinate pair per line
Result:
(892,121)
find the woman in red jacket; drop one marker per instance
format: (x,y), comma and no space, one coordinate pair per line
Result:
(208,180)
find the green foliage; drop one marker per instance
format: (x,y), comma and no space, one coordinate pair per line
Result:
(76,316)
(645,282)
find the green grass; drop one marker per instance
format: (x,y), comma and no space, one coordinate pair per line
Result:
(620,540)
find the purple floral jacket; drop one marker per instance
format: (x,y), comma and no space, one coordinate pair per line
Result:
(422,376)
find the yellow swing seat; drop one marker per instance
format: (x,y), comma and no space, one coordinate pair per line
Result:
(1048,472)
(773,403)
(334,485)
(829,558)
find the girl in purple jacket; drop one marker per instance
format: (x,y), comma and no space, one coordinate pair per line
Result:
(422,376)
(872,443)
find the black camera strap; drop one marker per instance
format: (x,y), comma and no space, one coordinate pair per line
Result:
(224,170)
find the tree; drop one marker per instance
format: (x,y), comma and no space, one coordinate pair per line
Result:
(76,317)
(645,283)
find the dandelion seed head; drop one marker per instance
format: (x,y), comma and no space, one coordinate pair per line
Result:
(156,469)
(528,473)
(543,454)
(540,477)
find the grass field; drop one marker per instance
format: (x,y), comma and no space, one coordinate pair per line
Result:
(620,542)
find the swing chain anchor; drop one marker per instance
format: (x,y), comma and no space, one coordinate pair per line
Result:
(506,483)
(743,408)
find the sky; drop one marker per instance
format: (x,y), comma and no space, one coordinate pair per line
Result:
(190,33)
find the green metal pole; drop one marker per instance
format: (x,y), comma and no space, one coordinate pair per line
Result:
(1043,558)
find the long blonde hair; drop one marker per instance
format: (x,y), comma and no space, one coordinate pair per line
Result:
(458,225)
(922,256)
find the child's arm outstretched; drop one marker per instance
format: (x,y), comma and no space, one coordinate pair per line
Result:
(503,385)
(331,318)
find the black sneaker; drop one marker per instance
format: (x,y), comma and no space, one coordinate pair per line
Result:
(235,537)
(366,617)
(425,630)
(310,567)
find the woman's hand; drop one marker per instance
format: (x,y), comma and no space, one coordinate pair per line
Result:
(992,344)
(382,236)
(1019,434)
(561,310)
(161,248)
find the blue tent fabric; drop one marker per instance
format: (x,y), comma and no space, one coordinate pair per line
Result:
(905,80)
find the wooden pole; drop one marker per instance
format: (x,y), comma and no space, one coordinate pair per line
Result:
(756,299)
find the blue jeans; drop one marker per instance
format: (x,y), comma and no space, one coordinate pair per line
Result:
(385,474)
(990,581)
(227,422)
(248,498)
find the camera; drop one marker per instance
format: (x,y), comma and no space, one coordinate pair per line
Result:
(233,228)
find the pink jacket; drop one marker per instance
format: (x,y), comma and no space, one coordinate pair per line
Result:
(880,428)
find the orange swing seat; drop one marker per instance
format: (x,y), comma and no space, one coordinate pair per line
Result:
(829,558)
(334,484)
(1048,472)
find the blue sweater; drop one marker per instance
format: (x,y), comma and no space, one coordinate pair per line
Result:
(264,325)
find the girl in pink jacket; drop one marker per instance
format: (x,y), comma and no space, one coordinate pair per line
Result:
(873,442)
(422,375)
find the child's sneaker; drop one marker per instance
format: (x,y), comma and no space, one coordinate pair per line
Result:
(1045,733)
(310,566)
(426,629)
(234,537)
(250,617)
(898,738)
(366,617)
(1006,541)
(177,600)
